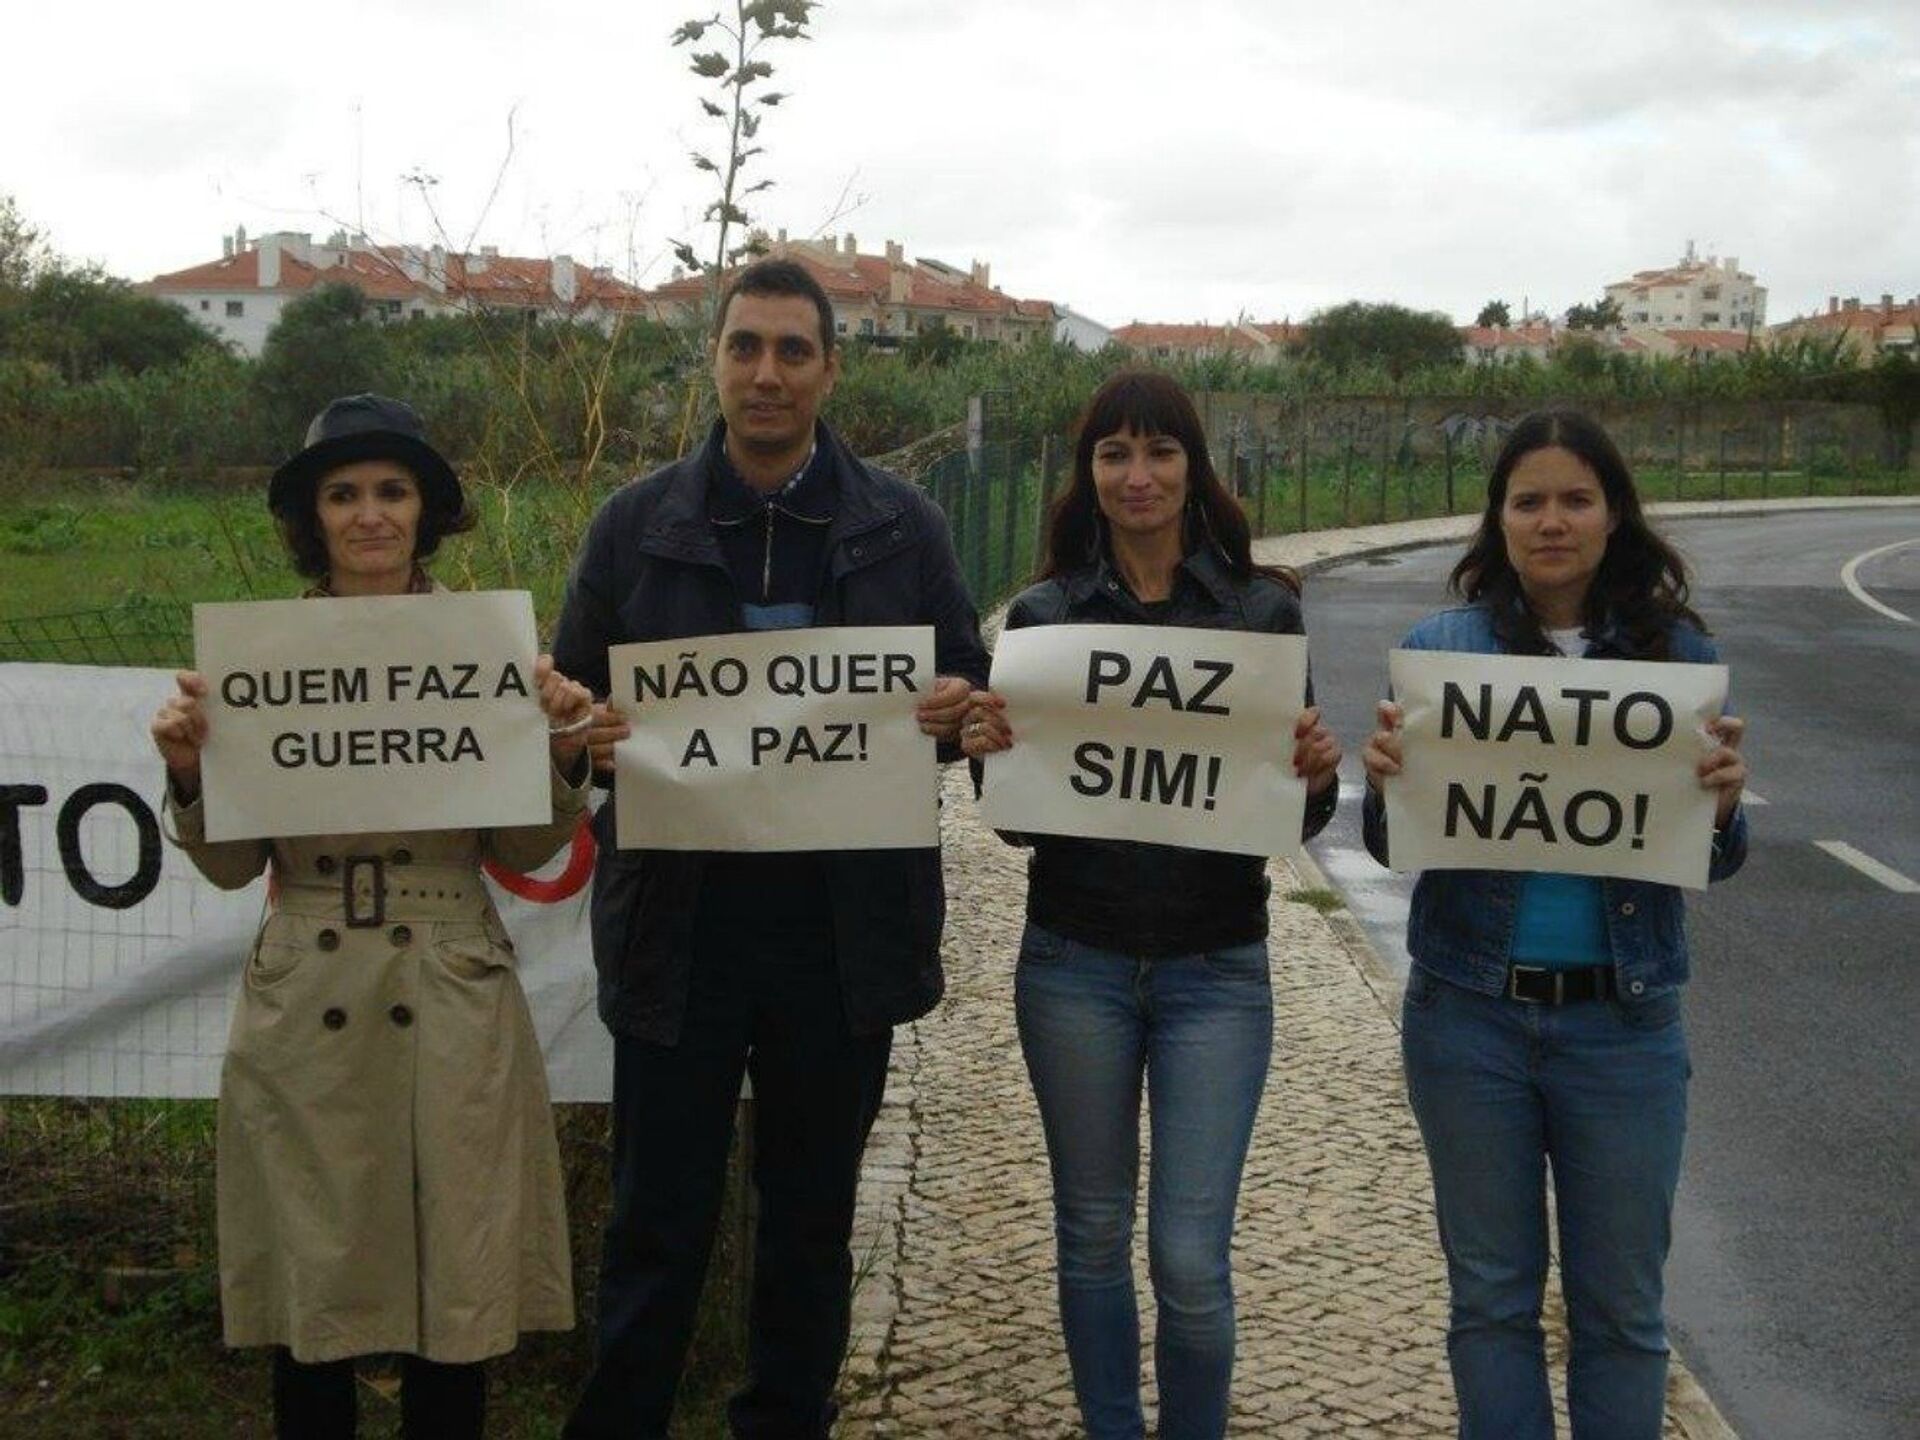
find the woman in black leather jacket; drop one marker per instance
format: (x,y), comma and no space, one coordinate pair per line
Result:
(1148,961)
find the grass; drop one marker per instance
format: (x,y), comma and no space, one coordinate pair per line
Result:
(121,562)
(1318,898)
(107,571)
(109,1303)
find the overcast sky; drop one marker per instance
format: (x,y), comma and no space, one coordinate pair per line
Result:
(1136,159)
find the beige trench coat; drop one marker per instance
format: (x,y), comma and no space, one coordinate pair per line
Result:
(388,1178)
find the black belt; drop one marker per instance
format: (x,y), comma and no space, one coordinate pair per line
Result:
(1538,985)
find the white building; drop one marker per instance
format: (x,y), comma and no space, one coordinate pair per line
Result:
(1070,327)
(241,295)
(1710,294)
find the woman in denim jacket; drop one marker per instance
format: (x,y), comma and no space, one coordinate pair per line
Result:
(1542,1018)
(1148,962)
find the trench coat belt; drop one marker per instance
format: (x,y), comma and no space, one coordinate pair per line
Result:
(369,890)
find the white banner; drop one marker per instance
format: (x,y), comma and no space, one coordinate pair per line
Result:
(783,740)
(1143,732)
(405,712)
(1586,767)
(119,963)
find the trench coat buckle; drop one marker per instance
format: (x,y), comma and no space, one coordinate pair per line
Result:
(356,918)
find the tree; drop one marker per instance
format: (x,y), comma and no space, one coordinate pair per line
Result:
(23,249)
(1494,314)
(753,25)
(1582,358)
(86,323)
(1396,338)
(1603,314)
(935,343)
(325,345)
(81,321)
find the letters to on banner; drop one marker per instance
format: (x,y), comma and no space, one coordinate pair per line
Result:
(785,740)
(1539,763)
(1163,734)
(355,715)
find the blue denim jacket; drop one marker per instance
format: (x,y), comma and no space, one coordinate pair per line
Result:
(1462,923)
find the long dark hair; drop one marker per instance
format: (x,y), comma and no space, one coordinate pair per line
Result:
(1641,584)
(1145,402)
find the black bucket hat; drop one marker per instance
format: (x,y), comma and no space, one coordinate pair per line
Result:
(365,427)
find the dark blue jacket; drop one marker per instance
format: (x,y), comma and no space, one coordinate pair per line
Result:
(652,569)
(1462,923)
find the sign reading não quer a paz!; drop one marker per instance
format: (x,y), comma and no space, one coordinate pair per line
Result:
(783,740)
(352,715)
(1586,767)
(1157,733)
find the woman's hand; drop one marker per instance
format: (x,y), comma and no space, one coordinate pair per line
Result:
(609,727)
(1316,753)
(941,713)
(568,706)
(985,730)
(179,731)
(1381,754)
(1722,767)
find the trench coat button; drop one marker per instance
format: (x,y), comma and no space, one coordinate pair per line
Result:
(401,856)
(328,939)
(401,1016)
(894,536)
(858,551)
(401,934)
(1637,987)
(325,864)
(1626,907)
(334,1019)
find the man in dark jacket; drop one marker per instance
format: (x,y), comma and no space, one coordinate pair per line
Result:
(789,967)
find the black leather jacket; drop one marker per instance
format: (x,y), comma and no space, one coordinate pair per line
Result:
(1156,900)
(651,569)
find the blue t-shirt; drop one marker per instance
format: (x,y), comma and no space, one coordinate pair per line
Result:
(1562,923)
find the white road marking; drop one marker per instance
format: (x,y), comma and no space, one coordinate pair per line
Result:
(1870,867)
(1850,570)
(1748,797)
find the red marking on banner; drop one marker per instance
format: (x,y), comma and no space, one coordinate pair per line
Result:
(565,885)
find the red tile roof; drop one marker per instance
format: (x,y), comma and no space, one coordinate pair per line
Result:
(1861,317)
(381,274)
(869,279)
(1727,340)
(371,275)
(1498,337)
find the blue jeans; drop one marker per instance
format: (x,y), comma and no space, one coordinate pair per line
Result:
(1200,1029)
(1598,1091)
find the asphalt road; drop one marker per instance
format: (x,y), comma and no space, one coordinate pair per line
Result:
(1794,1287)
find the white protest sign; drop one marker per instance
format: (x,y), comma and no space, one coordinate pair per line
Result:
(1585,767)
(784,740)
(1143,732)
(119,962)
(347,715)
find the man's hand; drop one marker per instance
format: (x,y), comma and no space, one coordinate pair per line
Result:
(944,708)
(609,725)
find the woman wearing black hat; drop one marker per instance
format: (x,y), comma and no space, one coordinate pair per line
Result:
(388,1179)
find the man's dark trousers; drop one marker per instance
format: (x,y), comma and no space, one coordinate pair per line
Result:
(764,1000)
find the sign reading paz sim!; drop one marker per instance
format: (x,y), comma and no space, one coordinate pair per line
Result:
(1586,767)
(1165,734)
(353,715)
